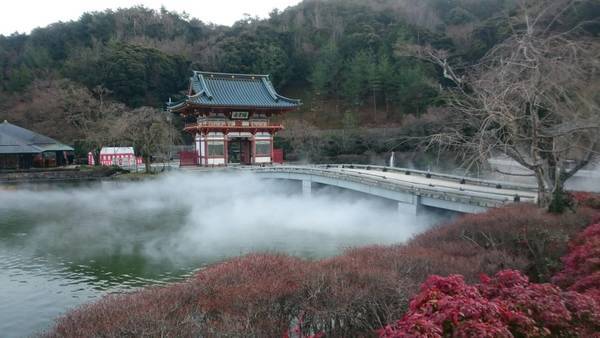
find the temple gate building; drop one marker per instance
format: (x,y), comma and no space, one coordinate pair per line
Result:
(230,118)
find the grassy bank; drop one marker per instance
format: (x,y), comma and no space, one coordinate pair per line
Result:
(365,289)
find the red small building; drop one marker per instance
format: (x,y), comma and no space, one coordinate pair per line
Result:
(123,157)
(230,118)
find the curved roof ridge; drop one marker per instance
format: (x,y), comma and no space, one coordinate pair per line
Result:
(205,89)
(199,86)
(231,74)
(270,88)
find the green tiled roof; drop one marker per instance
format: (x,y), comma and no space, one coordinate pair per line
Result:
(234,90)
(17,140)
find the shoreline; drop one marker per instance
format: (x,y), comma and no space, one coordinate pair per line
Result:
(70,175)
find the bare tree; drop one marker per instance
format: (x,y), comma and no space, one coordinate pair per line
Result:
(148,130)
(532,97)
(94,119)
(101,92)
(303,138)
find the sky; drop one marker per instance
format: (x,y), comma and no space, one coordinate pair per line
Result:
(24,15)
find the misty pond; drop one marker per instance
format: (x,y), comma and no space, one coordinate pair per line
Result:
(64,245)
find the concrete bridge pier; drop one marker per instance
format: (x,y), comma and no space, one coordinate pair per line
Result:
(307,188)
(411,207)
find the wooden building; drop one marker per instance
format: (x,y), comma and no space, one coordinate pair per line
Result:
(21,148)
(230,117)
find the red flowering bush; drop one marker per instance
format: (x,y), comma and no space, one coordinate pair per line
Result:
(505,305)
(581,270)
(587,199)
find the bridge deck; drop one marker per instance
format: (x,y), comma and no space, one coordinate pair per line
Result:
(407,186)
(434,182)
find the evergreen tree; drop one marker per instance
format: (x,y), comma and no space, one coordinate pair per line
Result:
(375,82)
(389,80)
(324,74)
(355,83)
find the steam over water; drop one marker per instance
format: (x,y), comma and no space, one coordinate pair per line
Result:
(60,247)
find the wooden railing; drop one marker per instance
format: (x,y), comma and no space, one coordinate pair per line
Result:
(233,124)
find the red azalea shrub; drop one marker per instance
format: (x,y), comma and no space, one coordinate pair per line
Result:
(581,270)
(506,305)
(587,199)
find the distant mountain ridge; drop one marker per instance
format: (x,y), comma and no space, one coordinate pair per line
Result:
(339,56)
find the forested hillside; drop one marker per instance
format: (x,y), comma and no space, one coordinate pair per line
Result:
(343,58)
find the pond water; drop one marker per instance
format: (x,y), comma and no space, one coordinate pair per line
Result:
(65,245)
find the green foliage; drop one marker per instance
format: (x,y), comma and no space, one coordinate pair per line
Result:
(344,50)
(486,35)
(458,16)
(416,90)
(561,201)
(354,86)
(250,54)
(136,75)
(325,70)
(350,120)
(18,78)
(451,10)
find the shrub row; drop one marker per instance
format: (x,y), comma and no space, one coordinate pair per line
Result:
(520,237)
(353,294)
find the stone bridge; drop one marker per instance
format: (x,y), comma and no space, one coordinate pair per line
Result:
(412,189)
